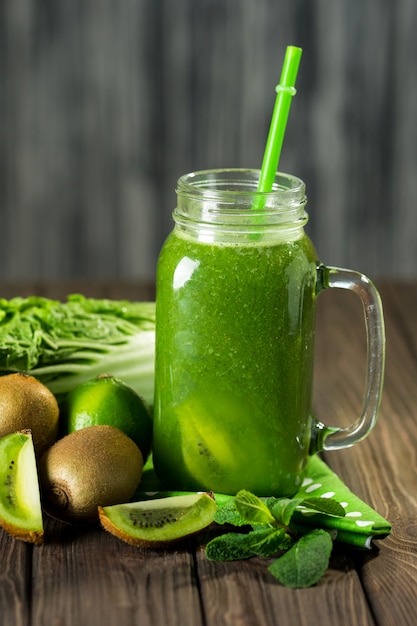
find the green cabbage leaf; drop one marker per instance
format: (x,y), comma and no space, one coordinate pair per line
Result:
(66,343)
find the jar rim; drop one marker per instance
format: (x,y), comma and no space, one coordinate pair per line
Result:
(228,199)
(224,182)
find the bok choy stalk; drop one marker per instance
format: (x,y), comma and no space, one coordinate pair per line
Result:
(66,343)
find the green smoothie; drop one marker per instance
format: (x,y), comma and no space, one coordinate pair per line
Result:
(234,362)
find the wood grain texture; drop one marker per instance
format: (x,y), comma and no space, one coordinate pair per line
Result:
(383,469)
(245,594)
(86,577)
(104,105)
(15,583)
(110,582)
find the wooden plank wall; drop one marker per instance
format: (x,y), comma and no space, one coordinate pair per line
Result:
(104,104)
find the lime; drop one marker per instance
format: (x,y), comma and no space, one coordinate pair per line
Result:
(108,400)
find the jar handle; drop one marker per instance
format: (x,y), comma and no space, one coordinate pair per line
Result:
(333,438)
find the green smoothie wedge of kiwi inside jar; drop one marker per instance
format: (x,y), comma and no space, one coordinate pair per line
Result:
(237,285)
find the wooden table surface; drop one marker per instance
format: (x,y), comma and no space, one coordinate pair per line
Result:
(87,577)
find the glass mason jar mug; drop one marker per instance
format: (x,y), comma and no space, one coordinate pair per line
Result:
(237,284)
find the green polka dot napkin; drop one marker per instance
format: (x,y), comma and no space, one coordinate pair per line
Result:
(361,523)
(358,528)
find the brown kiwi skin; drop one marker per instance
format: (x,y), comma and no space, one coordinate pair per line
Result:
(97,465)
(25,403)
(30,536)
(145,543)
(108,525)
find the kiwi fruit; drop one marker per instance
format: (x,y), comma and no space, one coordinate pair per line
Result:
(160,522)
(25,403)
(20,506)
(206,455)
(97,465)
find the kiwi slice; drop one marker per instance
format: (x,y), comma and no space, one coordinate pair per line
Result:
(20,506)
(159,522)
(210,428)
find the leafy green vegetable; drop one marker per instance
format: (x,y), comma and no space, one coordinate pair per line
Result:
(252,508)
(305,563)
(283,509)
(228,514)
(66,343)
(324,505)
(229,547)
(306,556)
(267,541)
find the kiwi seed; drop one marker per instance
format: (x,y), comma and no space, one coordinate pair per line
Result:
(159,522)
(20,507)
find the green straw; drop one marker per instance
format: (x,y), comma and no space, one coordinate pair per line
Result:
(285,92)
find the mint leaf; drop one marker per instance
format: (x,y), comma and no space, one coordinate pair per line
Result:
(237,546)
(267,541)
(283,509)
(306,558)
(328,506)
(305,563)
(252,509)
(228,514)
(228,547)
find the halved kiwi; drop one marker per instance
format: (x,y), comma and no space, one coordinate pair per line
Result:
(20,506)
(208,428)
(159,522)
